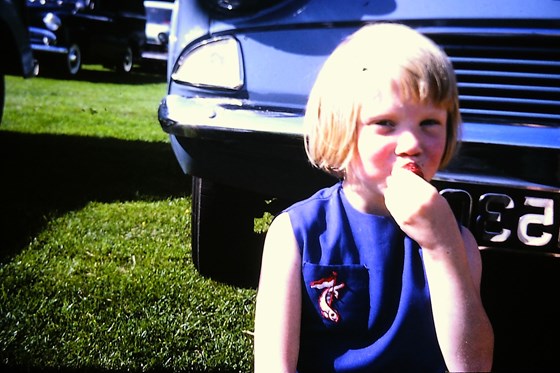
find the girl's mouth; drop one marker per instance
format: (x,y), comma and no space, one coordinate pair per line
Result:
(413,167)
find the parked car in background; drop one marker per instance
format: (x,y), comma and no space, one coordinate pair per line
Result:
(158,20)
(68,33)
(15,50)
(239,74)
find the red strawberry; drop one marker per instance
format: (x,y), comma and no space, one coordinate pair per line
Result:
(413,167)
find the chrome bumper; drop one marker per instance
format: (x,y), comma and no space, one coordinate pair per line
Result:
(207,117)
(49,49)
(45,41)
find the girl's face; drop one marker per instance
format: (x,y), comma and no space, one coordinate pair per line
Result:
(393,132)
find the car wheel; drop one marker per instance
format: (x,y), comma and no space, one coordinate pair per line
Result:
(73,62)
(2,96)
(224,244)
(125,64)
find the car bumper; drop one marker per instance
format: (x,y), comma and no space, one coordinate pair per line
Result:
(218,119)
(275,133)
(155,52)
(207,119)
(154,56)
(44,41)
(211,131)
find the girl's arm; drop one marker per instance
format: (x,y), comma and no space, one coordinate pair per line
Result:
(464,331)
(278,309)
(453,269)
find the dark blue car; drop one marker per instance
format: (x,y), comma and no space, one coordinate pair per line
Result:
(239,74)
(65,34)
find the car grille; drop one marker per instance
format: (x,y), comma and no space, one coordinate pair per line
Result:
(506,78)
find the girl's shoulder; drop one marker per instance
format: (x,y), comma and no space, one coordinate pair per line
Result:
(314,202)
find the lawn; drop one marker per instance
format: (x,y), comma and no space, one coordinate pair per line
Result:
(95,270)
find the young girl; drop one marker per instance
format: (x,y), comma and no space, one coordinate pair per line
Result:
(375,273)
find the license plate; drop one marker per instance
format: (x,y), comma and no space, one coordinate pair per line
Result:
(501,216)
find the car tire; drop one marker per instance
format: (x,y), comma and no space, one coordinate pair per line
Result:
(224,244)
(67,65)
(124,65)
(73,60)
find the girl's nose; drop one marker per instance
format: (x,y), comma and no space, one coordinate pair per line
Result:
(408,144)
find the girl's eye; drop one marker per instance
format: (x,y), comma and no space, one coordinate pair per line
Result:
(430,122)
(385,123)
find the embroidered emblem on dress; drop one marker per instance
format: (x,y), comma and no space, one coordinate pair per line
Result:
(328,296)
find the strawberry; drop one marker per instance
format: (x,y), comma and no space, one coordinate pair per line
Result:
(413,167)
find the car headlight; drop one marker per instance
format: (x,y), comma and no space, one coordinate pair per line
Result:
(51,21)
(215,63)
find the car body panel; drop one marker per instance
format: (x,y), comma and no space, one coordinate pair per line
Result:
(299,12)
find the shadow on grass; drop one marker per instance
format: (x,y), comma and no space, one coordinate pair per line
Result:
(136,77)
(44,176)
(96,74)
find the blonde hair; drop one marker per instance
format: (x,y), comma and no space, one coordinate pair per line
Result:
(361,65)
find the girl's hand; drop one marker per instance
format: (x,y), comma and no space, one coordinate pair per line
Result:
(421,212)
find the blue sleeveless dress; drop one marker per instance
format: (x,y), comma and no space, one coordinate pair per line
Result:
(366,303)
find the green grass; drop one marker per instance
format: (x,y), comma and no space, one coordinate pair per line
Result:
(99,104)
(95,270)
